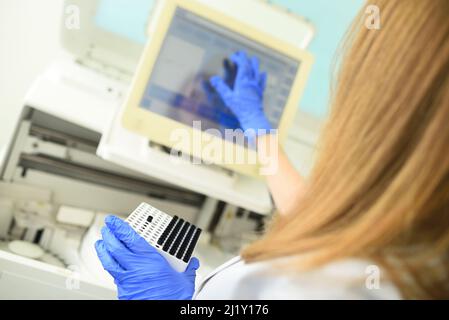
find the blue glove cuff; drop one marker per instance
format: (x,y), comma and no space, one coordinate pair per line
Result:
(259,124)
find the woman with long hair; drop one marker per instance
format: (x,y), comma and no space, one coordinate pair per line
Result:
(372,220)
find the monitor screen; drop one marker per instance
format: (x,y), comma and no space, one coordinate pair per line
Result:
(196,49)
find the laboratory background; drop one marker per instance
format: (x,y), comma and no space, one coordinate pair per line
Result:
(65,162)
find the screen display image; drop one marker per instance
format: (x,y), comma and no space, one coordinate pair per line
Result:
(193,51)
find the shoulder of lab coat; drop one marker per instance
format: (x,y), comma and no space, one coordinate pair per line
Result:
(348,279)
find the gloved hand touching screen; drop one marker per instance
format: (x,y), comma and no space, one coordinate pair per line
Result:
(139,270)
(245,98)
(224,115)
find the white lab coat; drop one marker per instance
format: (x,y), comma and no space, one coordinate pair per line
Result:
(348,279)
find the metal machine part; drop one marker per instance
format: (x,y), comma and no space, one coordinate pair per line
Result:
(56,152)
(51,166)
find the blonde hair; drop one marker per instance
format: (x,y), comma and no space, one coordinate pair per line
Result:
(380,186)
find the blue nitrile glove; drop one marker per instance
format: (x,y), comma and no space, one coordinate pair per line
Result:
(223,115)
(245,99)
(139,270)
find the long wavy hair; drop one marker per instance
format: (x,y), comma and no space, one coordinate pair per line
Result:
(380,186)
